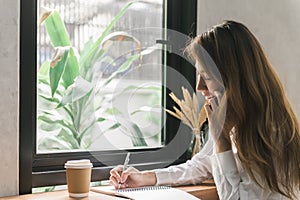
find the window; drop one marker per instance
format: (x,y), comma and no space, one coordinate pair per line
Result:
(122,114)
(45,146)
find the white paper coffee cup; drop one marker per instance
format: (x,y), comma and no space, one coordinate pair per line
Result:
(78,174)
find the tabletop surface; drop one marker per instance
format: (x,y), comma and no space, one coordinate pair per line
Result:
(205,191)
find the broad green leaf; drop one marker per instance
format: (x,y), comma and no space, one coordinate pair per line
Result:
(52,119)
(98,55)
(44,69)
(52,142)
(44,80)
(112,111)
(137,137)
(76,91)
(86,59)
(71,69)
(85,51)
(113,127)
(56,30)
(43,73)
(101,119)
(57,71)
(44,12)
(58,53)
(46,127)
(69,138)
(55,100)
(119,36)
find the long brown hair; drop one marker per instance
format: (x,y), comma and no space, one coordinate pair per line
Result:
(267,134)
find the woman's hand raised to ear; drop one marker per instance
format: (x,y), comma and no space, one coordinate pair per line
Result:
(216,119)
(131,177)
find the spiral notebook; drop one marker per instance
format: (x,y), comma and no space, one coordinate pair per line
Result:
(145,193)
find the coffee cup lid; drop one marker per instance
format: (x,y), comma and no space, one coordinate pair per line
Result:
(84,163)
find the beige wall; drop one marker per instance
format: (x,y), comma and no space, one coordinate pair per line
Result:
(275,23)
(9,26)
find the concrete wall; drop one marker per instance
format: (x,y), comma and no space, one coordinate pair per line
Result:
(9,73)
(275,23)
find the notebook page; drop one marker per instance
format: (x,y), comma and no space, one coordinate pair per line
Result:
(149,193)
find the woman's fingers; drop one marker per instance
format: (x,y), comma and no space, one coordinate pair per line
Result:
(115,176)
(125,174)
(219,95)
(207,109)
(116,172)
(213,103)
(122,179)
(114,181)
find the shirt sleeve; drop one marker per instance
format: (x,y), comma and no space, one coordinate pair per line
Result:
(226,175)
(193,171)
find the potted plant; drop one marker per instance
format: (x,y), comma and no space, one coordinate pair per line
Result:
(68,84)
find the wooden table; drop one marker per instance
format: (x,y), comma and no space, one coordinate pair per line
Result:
(205,191)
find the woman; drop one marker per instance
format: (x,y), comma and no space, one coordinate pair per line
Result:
(247,109)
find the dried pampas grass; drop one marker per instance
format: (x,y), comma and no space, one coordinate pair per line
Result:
(188,111)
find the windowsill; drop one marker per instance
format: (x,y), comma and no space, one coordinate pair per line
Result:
(205,191)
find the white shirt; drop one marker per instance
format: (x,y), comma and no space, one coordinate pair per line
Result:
(231,180)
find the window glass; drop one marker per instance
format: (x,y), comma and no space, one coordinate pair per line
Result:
(101,96)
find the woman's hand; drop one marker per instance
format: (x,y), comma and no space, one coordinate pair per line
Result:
(216,119)
(131,177)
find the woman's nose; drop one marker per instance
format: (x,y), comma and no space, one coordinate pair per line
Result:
(201,86)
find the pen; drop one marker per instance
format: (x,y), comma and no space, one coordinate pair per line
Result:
(125,166)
